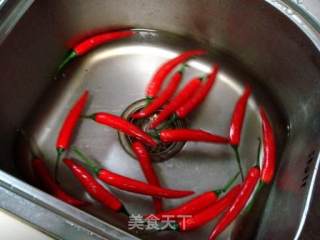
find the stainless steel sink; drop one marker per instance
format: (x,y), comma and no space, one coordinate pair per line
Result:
(261,43)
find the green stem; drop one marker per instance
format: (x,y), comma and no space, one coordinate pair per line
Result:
(56,168)
(226,187)
(250,205)
(258,152)
(155,135)
(91,117)
(67,59)
(231,182)
(124,211)
(87,161)
(166,124)
(148,100)
(236,150)
(182,68)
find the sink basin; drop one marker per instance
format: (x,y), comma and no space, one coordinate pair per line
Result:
(253,43)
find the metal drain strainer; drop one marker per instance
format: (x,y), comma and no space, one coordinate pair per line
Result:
(163,151)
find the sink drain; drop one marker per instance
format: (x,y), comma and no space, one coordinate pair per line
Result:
(163,151)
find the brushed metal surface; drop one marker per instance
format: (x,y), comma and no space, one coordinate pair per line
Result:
(116,75)
(253,41)
(22,229)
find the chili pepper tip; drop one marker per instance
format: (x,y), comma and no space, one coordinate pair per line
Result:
(138,115)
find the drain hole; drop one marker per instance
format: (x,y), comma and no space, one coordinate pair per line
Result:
(306,170)
(163,151)
(303,185)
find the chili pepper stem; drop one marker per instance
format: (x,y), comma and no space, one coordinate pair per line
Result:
(148,100)
(124,211)
(250,205)
(155,135)
(57,163)
(87,161)
(261,184)
(258,152)
(67,59)
(182,68)
(226,187)
(88,116)
(170,121)
(236,151)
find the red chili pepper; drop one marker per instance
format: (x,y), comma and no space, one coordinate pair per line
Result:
(155,84)
(129,184)
(42,172)
(190,207)
(123,126)
(177,101)
(93,42)
(237,124)
(238,117)
(269,148)
(196,99)
(68,126)
(181,135)
(132,185)
(163,97)
(199,96)
(93,187)
(148,171)
(209,213)
(248,187)
(196,204)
